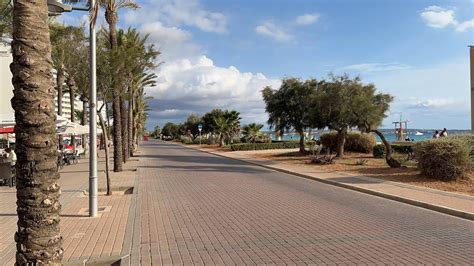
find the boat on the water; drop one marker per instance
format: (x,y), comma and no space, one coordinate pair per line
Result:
(418,133)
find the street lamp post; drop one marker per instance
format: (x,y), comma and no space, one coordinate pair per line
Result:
(471,55)
(57,8)
(92,121)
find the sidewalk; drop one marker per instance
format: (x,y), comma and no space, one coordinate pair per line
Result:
(85,239)
(436,200)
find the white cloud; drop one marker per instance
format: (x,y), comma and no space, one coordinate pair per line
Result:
(438,17)
(374,67)
(465,26)
(201,80)
(179,12)
(307,19)
(436,103)
(172,42)
(269,29)
(197,86)
(189,12)
(168,35)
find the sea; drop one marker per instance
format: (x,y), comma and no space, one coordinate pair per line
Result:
(413,134)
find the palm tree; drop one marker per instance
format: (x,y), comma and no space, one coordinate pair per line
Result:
(221,128)
(67,53)
(138,60)
(111,8)
(140,114)
(38,237)
(252,132)
(227,125)
(59,57)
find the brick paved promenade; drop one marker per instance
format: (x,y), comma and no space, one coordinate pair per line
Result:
(198,208)
(191,207)
(84,238)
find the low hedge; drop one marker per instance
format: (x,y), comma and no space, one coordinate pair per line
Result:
(445,158)
(379,149)
(265,146)
(203,141)
(186,140)
(356,142)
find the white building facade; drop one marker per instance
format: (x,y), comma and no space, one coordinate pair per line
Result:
(7,117)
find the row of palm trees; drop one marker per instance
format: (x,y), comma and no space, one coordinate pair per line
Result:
(125,64)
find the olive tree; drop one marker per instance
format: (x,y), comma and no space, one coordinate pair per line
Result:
(332,107)
(370,109)
(288,107)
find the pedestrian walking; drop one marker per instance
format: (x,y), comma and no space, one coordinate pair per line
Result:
(444,133)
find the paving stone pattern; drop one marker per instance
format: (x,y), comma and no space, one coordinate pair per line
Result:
(197,208)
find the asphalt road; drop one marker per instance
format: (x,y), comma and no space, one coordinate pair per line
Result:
(197,208)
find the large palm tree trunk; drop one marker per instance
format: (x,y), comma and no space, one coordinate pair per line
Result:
(130,126)
(125,134)
(38,237)
(111,17)
(118,160)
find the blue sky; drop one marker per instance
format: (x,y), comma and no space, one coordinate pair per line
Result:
(220,54)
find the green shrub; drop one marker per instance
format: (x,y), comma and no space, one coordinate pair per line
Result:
(469,140)
(356,142)
(379,151)
(445,158)
(203,140)
(186,140)
(213,140)
(264,146)
(403,148)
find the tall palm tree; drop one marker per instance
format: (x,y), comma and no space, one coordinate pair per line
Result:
(140,114)
(112,8)
(38,237)
(58,55)
(139,60)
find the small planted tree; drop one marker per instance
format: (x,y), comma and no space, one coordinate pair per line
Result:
(171,130)
(252,132)
(192,122)
(370,109)
(288,107)
(227,125)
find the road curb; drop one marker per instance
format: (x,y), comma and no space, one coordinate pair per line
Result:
(421,204)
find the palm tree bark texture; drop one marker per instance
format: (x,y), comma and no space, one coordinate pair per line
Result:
(38,237)
(111,17)
(124,114)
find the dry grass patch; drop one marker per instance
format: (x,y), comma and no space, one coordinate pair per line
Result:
(376,168)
